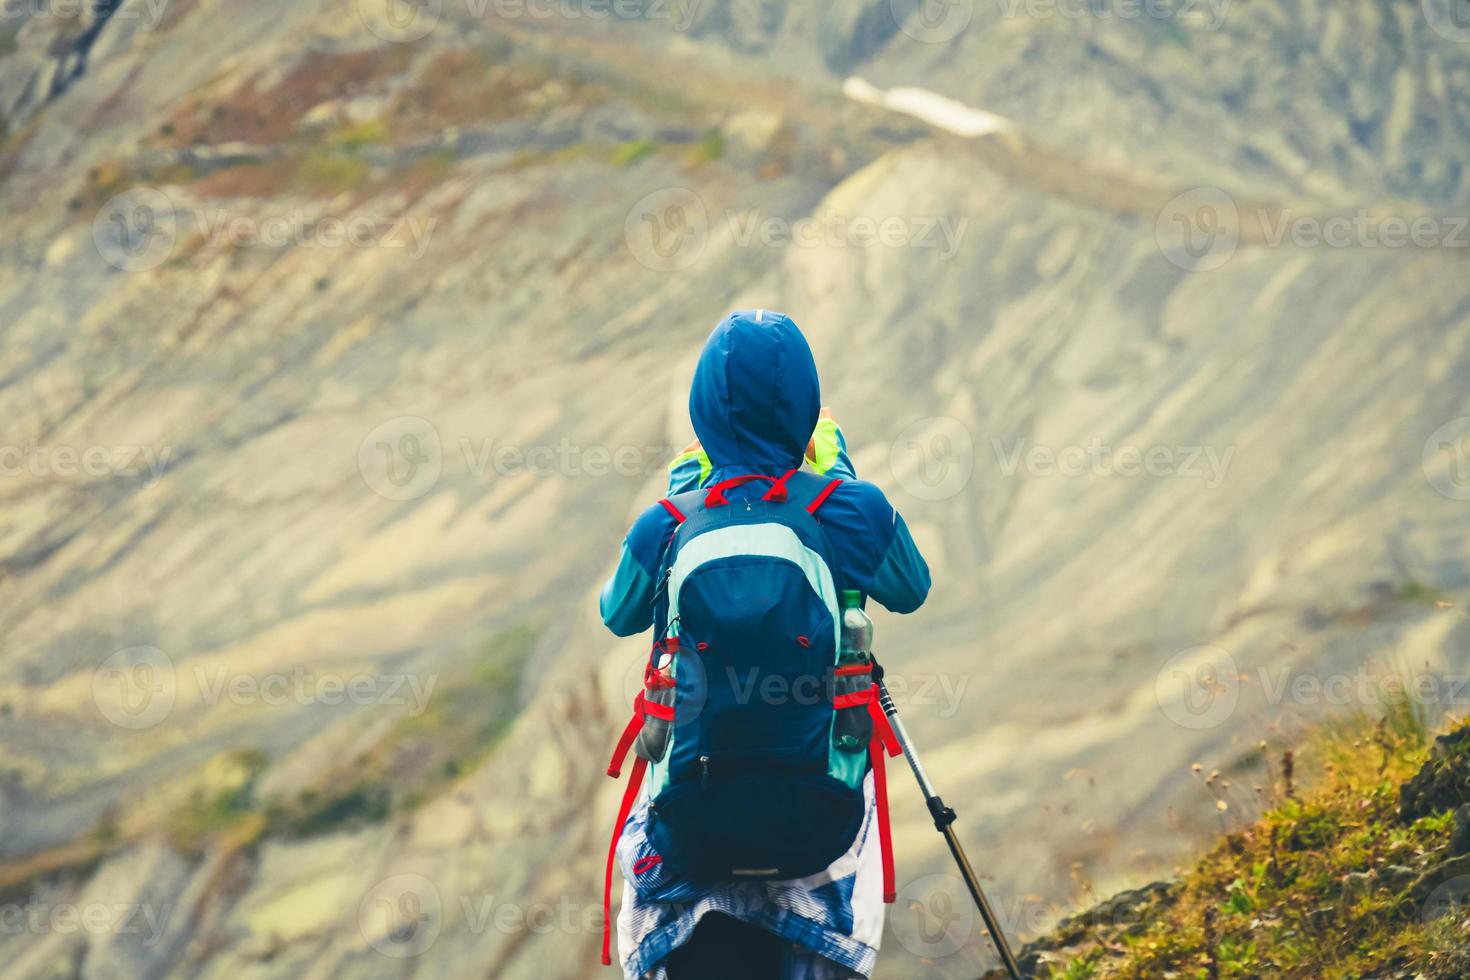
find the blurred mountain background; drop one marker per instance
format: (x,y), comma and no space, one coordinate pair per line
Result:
(342,340)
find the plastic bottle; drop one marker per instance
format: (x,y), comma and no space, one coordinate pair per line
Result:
(857,630)
(853,727)
(658,686)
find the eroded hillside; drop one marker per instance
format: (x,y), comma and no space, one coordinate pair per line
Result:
(382,339)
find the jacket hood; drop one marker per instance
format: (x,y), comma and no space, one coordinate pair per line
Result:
(755,396)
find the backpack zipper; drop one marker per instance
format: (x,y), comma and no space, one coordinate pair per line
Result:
(704,765)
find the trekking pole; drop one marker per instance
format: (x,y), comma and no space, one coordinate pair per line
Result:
(944,819)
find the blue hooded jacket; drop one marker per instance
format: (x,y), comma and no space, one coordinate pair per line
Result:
(754,403)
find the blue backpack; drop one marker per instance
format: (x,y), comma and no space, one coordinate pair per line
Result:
(736,726)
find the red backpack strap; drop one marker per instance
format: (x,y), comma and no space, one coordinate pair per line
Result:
(674,512)
(641,707)
(777,494)
(635,780)
(883,740)
(821,498)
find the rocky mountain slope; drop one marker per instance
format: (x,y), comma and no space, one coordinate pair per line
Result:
(337,353)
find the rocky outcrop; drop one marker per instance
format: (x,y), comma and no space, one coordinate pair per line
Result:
(1443,783)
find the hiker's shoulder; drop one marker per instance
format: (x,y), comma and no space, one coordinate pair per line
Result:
(652,525)
(862,497)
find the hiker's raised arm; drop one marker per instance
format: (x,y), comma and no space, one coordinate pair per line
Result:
(901,582)
(882,560)
(627,598)
(689,469)
(826,454)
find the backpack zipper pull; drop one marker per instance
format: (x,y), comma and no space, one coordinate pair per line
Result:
(704,765)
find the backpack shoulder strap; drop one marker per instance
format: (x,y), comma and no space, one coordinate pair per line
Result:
(821,498)
(809,491)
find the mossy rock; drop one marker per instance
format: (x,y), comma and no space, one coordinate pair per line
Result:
(1443,783)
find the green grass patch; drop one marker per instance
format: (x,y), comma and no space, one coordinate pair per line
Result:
(464,719)
(356,136)
(1319,888)
(634,152)
(711,147)
(224,794)
(323,171)
(1416,592)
